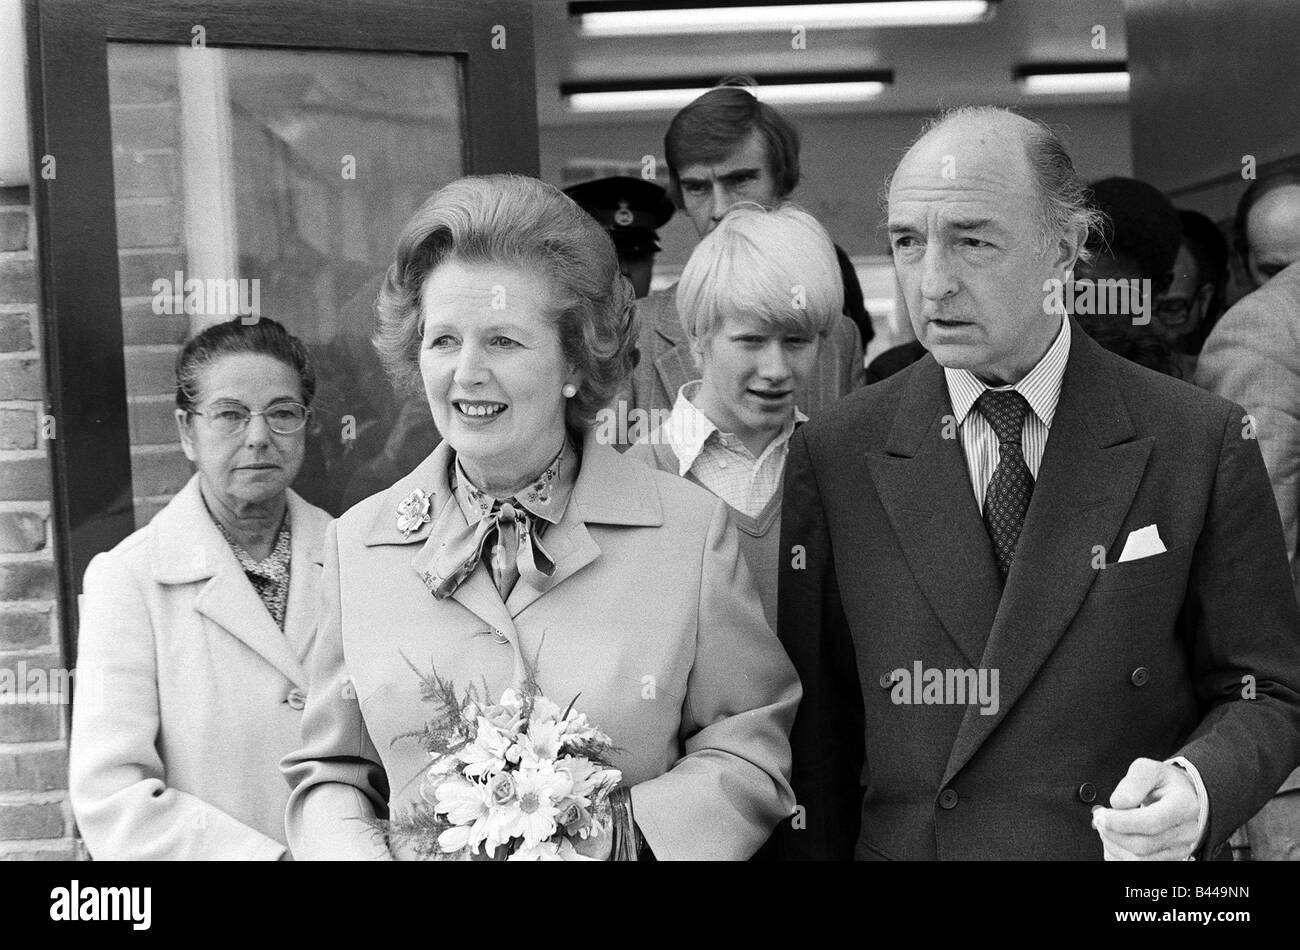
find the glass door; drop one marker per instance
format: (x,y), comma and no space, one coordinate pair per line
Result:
(272,183)
(213,160)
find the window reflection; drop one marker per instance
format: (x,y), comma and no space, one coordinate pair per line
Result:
(296,169)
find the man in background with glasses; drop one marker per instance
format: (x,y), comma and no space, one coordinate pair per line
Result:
(1188,309)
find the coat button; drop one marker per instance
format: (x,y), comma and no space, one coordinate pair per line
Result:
(296,699)
(1087,793)
(1139,676)
(887,680)
(948,799)
(500,637)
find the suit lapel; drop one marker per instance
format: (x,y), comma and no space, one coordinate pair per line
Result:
(1091,469)
(674,362)
(676,368)
(927,496)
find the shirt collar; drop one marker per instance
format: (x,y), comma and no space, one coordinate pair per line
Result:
(1041,386)
(546,497)
(688,430)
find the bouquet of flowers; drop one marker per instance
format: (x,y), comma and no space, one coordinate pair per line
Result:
(520,778)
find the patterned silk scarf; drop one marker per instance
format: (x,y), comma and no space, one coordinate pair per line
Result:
(507,532)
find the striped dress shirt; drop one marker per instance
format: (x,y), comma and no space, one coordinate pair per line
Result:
(1041,388)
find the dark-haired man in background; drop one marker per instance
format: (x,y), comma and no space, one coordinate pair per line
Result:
(1137,244)
(1193,301)
(723,148)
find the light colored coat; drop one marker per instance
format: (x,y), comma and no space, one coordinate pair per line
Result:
(652,622)
(187,693)
(1252,357)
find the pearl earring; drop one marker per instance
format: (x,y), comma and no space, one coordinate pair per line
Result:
(569,390)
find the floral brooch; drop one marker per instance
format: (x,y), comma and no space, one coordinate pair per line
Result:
(412,512)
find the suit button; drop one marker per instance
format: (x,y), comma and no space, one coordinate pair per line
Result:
(887,680)
(296,699)
(948,799)
(1087,793)
(1139,676)
(500,637)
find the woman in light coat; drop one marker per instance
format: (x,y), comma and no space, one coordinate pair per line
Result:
(190,676)
(608,581)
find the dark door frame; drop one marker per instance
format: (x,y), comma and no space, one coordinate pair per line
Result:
(68,102)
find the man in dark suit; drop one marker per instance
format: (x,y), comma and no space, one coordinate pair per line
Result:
(1037,595)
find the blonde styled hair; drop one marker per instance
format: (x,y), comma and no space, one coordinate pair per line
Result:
(778,265)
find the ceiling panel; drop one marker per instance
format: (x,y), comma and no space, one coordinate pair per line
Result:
(933,67)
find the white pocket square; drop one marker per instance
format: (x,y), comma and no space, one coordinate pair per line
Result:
(1144,542)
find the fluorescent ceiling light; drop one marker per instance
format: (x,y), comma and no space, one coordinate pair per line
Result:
(1060,80)
(593,21)
(590,98)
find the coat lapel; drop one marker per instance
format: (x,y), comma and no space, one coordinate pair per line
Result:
(477,593)
(230,601)
(1091,469)
(610,489)
(189,549)
(305,565)
(924,485)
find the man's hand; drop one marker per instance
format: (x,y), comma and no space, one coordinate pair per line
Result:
(1153,816)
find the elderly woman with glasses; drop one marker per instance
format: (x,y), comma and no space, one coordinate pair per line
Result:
(525,548)
(195,629)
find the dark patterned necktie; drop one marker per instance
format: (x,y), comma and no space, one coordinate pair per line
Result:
(1009,490)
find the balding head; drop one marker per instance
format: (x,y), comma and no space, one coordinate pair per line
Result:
(1030,145)
(982,219)
(1273,234)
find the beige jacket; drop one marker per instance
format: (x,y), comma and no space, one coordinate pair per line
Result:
(187,693)
(652,622)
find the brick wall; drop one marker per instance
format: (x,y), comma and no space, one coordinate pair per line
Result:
(35,821)
(145,112)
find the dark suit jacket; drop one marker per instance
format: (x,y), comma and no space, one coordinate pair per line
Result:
(667,363)
(893,360)
(1096,667)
